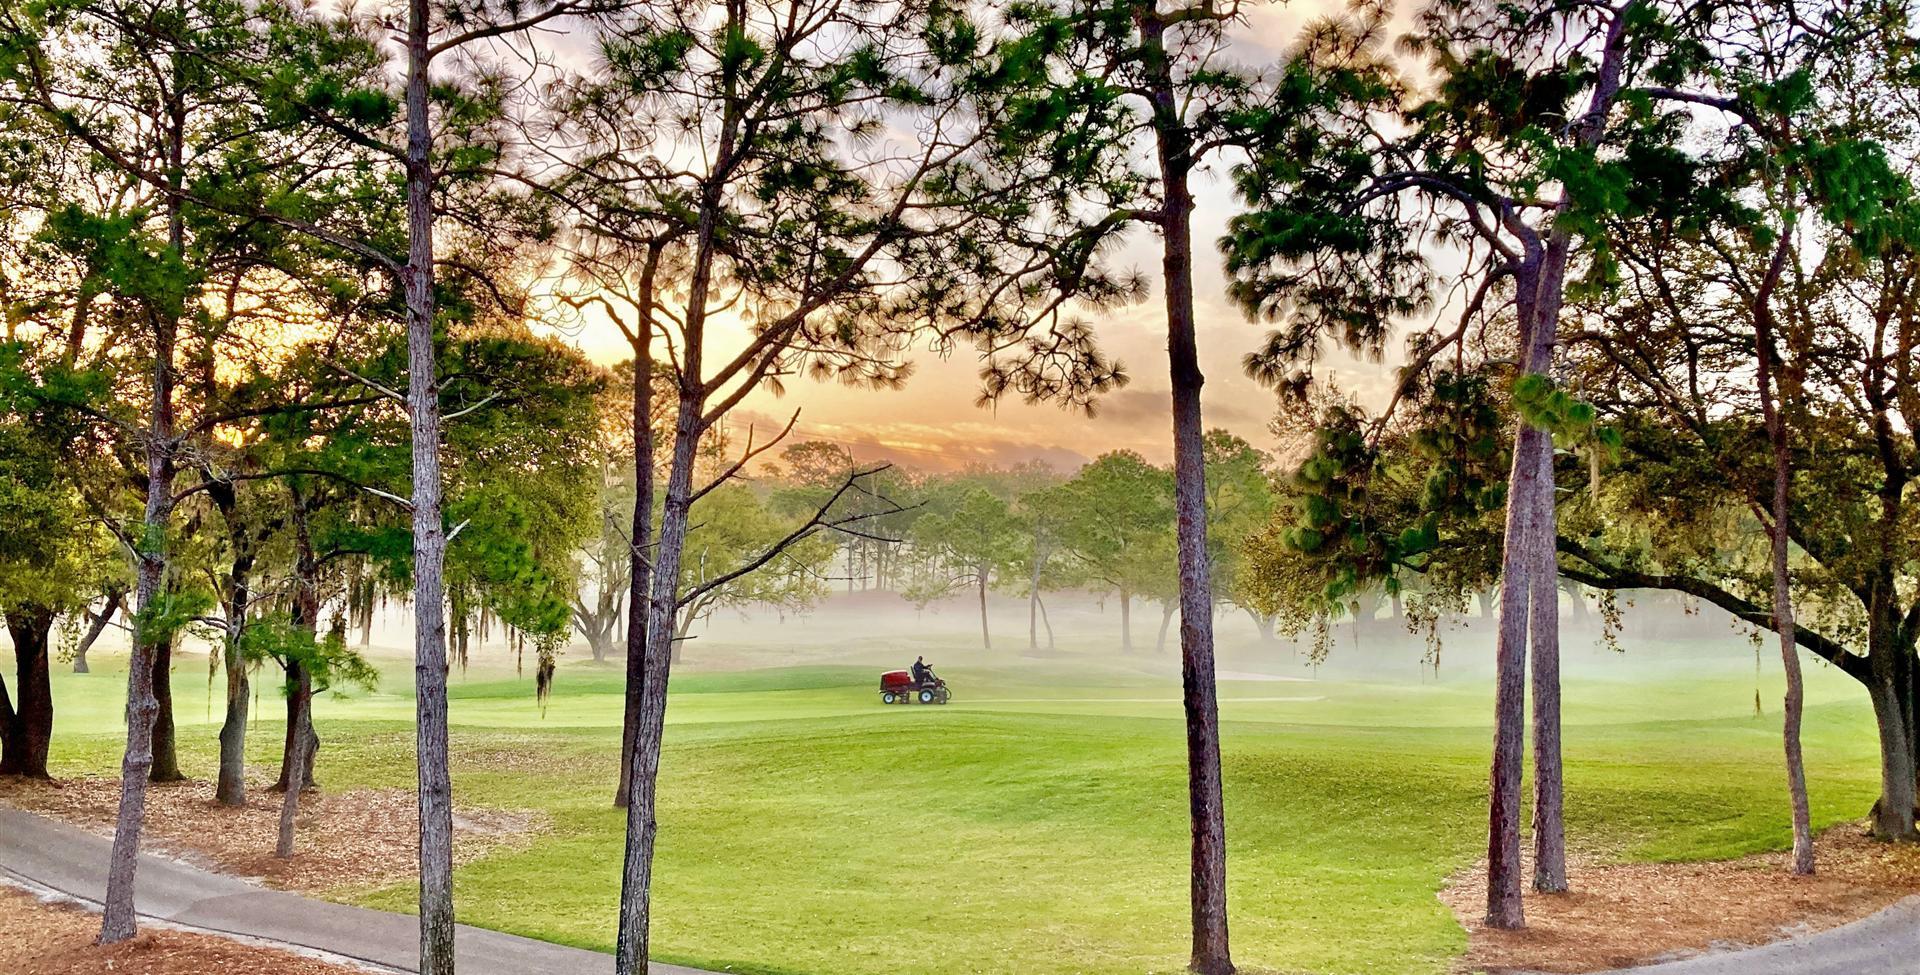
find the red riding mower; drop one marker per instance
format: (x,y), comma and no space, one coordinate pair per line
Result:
(899,687)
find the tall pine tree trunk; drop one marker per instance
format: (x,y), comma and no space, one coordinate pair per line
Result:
(663,596)
(429,535)
(1549,789)
(117,915)
(1549,812)
(640,539)
(1205,794)
(117,918)
(1505,905)
(631,945)
(1540,334)
(1505,908)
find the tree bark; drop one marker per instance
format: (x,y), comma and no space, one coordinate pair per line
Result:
(1549,790)
(117,917)
(231,788)
(1803,861)
(28,724)
(1783,617)
(117,921)
(429,535)
(1205,798)
(1047,622)
(1505,908)
(300,739)
(640,540)
(6,722)
(1887,685)
(1033,597)
(166,749)
(290,802)
(1033,620)
(97,624)
(1126,622)
(986,639)
(1530,571)
(1906,683)
(631,946)
(296,768)
(1549,818)
(1539,308)
(1505,905)
(663,594)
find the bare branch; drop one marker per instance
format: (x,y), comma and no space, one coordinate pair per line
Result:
(745,458)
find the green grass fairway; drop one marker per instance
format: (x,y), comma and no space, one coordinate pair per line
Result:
(1038,824)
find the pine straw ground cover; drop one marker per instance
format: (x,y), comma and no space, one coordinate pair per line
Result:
(1624,914)
(348,840)
(40,938)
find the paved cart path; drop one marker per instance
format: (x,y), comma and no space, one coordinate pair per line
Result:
(40,852)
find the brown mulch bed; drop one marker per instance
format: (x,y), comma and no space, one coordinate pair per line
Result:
(359,839)
(1626,914)
(38,938)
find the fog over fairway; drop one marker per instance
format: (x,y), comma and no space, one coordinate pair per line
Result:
(1662,640)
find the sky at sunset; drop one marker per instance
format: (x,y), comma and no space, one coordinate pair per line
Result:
(933,423)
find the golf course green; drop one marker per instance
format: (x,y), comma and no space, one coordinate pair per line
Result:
(1038,824)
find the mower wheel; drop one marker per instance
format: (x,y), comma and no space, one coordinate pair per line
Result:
(886,697)
(926,697)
